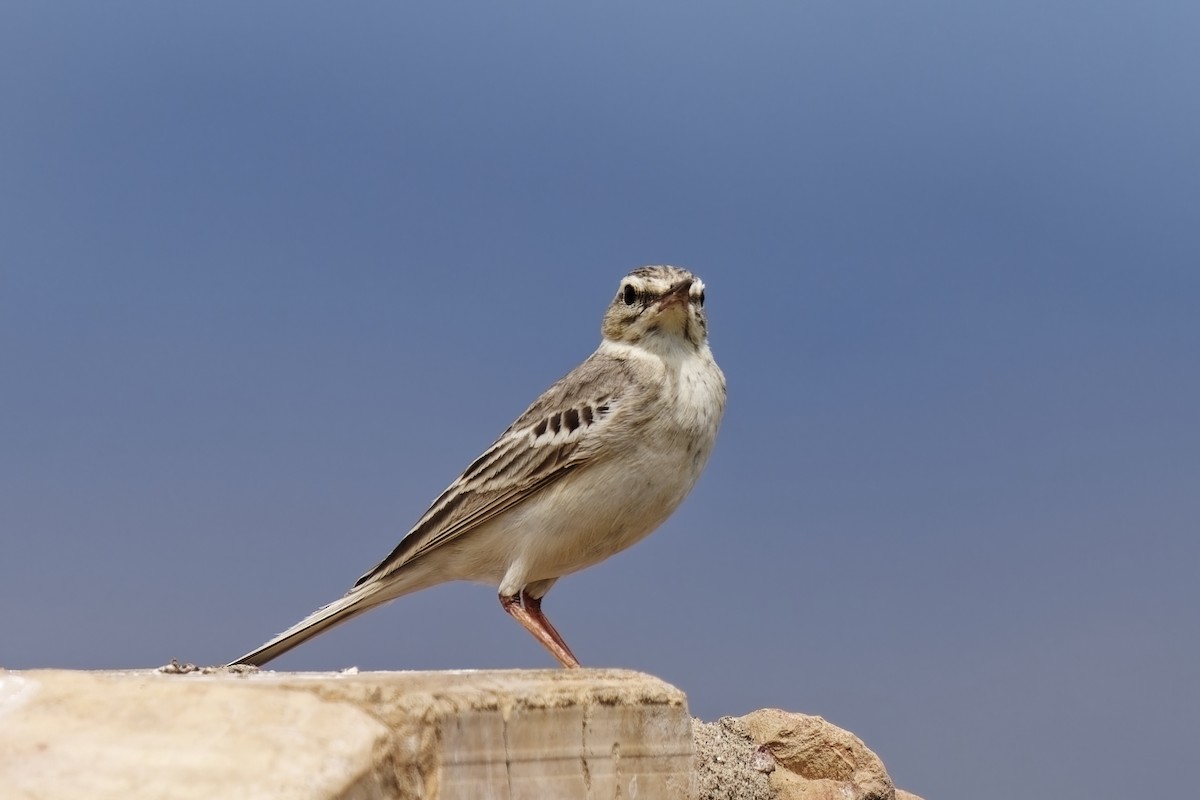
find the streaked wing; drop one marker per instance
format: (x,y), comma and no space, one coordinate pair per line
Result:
(556,435)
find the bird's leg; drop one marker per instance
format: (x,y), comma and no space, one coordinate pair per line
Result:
(528,611)
(534,606)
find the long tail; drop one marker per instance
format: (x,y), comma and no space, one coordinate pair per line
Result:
(358,601)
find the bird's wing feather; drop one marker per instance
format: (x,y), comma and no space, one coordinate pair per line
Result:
(555,435)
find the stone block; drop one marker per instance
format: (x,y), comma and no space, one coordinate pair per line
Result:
(508,735)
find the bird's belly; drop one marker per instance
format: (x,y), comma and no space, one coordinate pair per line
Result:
(597,512)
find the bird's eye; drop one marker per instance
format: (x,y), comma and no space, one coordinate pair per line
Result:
(702,298)
(630,294)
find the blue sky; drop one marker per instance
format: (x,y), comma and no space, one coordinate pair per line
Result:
(271,276)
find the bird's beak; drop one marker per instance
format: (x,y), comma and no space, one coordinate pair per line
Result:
(677,295)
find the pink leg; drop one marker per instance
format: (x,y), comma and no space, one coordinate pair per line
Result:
(528,611)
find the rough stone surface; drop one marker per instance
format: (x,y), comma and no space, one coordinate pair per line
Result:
(728,765)
(519,734)
(815,760)
(558,734)
(777,755)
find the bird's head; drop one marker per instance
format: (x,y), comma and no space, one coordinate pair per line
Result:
(658,305)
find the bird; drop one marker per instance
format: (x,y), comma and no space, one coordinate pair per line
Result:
(599,461)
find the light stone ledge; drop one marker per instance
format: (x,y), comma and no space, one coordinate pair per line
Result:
(509,735)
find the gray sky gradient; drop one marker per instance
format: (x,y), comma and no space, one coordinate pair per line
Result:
(272,275)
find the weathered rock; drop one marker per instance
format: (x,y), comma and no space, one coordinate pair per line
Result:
(728,765)
(518,734)
(816,760)
(513,734)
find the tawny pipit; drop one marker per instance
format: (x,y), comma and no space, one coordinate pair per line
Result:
(599,461)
